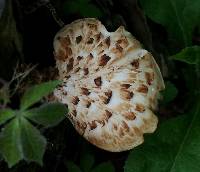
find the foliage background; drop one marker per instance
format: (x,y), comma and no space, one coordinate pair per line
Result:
(170,29)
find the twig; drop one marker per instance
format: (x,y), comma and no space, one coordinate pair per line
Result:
(19,77)
(54,14)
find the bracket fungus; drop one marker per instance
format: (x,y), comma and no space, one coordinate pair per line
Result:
(110,84)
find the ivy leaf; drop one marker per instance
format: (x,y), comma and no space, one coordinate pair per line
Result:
(72,167)
(175,147)
(5,115)
(179,17)
(86,162)
(20,140)
(105,166)
(190,55)
(35,93)
(48,114)
(169,93)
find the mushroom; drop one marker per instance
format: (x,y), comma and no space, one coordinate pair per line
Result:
(110,84)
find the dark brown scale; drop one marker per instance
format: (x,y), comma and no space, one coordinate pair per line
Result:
(67,77)
(78,39)
(60,55)
(85,91)
(85,71)
(77,69)
(98,81)
(135,64)
(140,108)
(98,36)
(83,126)
(115,126)
(125,126)
(121,132)
(79,58)
(65,42)
(74,113)
(59,88)
(108,97)
(75,100)
(104,60)
(92,26)
(88,104)
(143,89)
(70,117)
(107,41)
(108,114)
(123,42)
(67,39)
(102,122)
(92,125)
(130,116)
(68,51)
(90,41)
(119,48)
(101,52)
(78,124)
(119,41)
(91,56)
(126,86)
(127,94)
(149,77)
(130,95)
(70,64)
(100,45)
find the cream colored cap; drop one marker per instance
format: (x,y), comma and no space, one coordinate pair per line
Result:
(110,84)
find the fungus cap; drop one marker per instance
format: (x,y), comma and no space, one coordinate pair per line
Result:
(110,84)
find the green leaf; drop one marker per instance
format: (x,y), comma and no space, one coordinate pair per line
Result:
(48,114)
(10,146)
(5,115)
(190,55)
(1,158)
(72,167)
(33,142)
(35,93)
(71,7)
(20,140)
(105,167)
(175,147)
(84,7)
(4,95)
(90,10)
(178,16)
(11,41)
(169,93)
(86,162)
(84,1)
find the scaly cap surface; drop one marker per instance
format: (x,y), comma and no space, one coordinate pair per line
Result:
(111,85)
